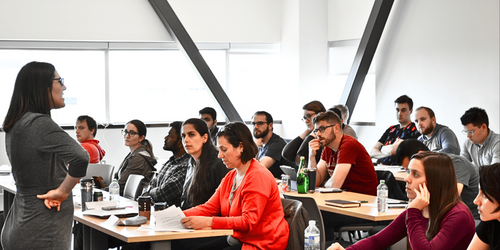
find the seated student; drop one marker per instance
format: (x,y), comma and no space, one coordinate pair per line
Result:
(467,176)
(86,130)
(483,145)
(140,160)
(300,145)
(436,137)
(209,115)
(348,130)
(488,231)
(435,218)
(344,164)
(386,146)
(205,170)
(167,185)
(247,201)
(272,144)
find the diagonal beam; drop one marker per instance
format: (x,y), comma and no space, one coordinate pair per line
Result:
(187,46)
(366,50)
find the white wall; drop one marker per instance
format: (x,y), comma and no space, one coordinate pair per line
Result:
(444,54)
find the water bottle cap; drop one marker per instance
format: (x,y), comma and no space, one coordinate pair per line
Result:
(382,181)
(312,222)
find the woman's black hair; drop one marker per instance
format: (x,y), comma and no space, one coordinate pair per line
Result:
(198,189)
(32,92)
(489,183)
(142,130)
(236,133)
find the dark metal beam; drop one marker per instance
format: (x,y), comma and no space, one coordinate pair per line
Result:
(366,50)
(187,46)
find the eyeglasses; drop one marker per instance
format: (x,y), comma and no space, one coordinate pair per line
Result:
(322,129)
(60,80)
(467,132)
(258,123)
(130,133)
(307,117)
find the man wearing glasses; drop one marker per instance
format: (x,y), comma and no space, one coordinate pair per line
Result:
(344,164)
(483,145)
(270,144)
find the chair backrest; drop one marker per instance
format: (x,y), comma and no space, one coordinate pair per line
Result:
(395,191)
(133,182)
(298,219)
(103,170)
(314,214)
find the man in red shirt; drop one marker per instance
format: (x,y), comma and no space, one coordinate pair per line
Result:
(86,129)
(344,164)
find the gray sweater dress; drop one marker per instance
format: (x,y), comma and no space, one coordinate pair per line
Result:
(41,154)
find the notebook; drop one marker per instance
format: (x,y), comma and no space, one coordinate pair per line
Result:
(343,203)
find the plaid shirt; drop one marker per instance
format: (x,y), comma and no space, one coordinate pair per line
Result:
(167,186)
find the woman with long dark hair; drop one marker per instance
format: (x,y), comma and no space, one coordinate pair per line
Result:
(488,204)
(435,218)
(300,145)
(247,200)
(205,170)
(46,163)
(140,160)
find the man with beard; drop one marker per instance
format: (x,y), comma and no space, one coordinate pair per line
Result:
(344,164)
(387,145)
(344,161)
(209,115)
(167,185)
(436,137)
(270,144)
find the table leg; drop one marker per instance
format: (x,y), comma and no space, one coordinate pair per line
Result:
(94,239)
(163,245)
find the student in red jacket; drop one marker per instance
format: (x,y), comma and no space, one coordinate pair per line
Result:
(247,199)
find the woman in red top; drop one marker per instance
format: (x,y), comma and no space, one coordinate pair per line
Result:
(248,199)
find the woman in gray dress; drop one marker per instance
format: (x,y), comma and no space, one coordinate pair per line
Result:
(46,163)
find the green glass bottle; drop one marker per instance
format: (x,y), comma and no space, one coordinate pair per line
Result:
(302,178)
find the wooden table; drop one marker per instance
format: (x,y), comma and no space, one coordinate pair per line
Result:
(96,230)
(367,211)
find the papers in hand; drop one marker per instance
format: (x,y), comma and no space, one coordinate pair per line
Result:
(170,220)
(343,203)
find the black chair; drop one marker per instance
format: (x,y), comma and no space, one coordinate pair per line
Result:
(395,191)
(298,219)
(314,214)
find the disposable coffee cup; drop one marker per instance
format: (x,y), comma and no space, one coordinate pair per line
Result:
(144,206)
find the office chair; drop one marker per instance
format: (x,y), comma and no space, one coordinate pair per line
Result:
(103,170)
(298,218)
(131,186)
(314,214)
(395,191)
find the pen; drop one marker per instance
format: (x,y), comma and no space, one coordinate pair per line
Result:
(361,201)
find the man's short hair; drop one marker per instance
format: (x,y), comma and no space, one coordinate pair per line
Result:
(476,116)
(429,111)
(90,123)
(210,111)
(315,106)
(408,148)
(269,118)
(177,125)
(337,111)
(344,109)
(405,99)
(328,116)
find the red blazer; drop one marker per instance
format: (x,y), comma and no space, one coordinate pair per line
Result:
(256,214)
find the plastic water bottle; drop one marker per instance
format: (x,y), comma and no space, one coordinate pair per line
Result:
(312,237)
(114,191)
(382,196)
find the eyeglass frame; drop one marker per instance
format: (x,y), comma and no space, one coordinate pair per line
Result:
(131,133)
(306,118)
(322,129)
(471,133)
(259,123)
(60,80)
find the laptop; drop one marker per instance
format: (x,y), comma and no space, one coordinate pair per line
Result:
(293,176)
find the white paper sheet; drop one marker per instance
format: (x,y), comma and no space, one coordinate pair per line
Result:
(170,220)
